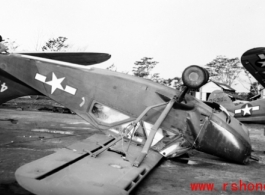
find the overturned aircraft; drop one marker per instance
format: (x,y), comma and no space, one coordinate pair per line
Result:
(119,105)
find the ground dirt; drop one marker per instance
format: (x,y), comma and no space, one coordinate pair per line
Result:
(34,128)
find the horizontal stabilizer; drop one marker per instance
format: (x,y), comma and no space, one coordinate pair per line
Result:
(82,58)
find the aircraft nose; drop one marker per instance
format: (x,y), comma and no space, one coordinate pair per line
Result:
(226,142)
(221,139)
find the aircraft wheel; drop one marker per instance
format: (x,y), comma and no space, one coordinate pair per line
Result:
(195,76)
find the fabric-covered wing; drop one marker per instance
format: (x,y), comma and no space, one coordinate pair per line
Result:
(81,169)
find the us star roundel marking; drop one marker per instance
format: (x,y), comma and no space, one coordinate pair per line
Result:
(261,63)
(247,110)
(55,83)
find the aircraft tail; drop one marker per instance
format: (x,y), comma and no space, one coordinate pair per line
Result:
(221,98)
(11,88)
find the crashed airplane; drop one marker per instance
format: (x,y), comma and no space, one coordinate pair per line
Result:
(121,106)
(248,112)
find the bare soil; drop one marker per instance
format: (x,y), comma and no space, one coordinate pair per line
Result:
(33,128)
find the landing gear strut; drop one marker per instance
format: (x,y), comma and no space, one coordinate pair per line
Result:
(193,78)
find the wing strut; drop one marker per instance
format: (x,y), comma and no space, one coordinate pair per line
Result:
(153,131)
(132,128)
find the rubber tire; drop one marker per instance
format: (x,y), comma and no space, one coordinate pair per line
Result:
(195,84)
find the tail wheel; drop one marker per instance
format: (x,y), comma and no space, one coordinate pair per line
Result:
(195,76)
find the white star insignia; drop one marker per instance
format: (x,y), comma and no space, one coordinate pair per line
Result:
(262,63)
(55,83)
(246,110)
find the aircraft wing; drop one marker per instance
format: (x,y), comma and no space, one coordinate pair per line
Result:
(254,61)
(75,170)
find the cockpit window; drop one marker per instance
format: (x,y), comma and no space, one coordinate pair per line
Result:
(107,115)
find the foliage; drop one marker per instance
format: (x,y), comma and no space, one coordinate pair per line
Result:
(11,45)
(144,67)
(254,90)
(112,68)
(57,44)
(254,86)
(224,70)
(175,82)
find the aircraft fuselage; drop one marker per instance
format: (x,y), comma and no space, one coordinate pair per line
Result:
(82,89)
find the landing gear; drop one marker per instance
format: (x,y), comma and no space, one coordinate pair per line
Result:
(193,78)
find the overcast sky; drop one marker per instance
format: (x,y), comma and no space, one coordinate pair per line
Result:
(176,33)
